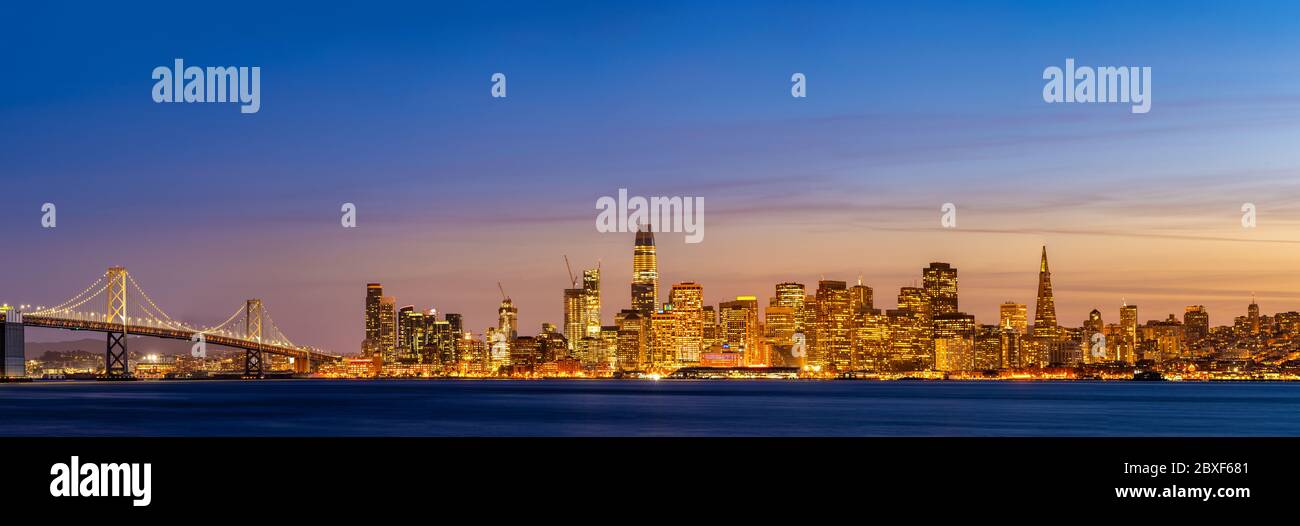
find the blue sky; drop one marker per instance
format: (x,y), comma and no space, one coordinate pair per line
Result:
(910,105)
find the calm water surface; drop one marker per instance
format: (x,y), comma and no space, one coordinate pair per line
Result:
(638,408)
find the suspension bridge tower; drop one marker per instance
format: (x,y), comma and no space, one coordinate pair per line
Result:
(253,331)
(115,356)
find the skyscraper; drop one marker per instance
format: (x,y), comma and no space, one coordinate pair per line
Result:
(632,329)
(917,302)
(575,313)
(1128,320)
(1012,314)
(508,319)
(388,329)
(412,332)
(1252,315)
(666,327)
(645,273)
(374,296)
(1094,325)
(1197,325)
(687,300)
(1045,310)
(591,301)
(739,327)
(955,333)
(860,298)
(833,345)
(940,281)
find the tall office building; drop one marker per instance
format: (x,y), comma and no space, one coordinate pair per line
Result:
(388,329)
(687,300)
(582,311)
(1252,315)
(1128,321)
(954,340)
(940,281)
(1197,325)
(779,326)
(870,340)
(575,314)
(508,319)
(1045,310)
(739,327)
(645,273)
(917,301)
(792,295)
(860,298)
(591,301)
(440,345)
(1094,325)
(456,322)
(908,350)
(711,334)
(666,327)
(1012,314)
(631,350)
(988,348)
(833,344)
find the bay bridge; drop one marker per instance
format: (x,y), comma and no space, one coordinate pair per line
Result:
(115,304)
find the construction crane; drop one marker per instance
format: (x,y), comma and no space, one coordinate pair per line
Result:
(503,292)
(573,282)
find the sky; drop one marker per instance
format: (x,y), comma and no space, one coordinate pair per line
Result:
(909,105)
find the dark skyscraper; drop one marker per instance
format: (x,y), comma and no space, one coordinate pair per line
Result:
(374,296)
(940,281)
(645,273)
(1045,309)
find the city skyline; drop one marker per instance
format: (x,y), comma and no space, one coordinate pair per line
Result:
(848,330)
(456,191)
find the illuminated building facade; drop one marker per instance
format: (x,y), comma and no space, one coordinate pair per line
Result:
(1128,338)
(632,335)
(832,347)
(575,313)
(591,301)
(1045,308)
(740,332)
(374,298)
(687,300)
(1012,314)
(388,329)
(645,273)
(940,281)
(412,333)
(1196,323)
